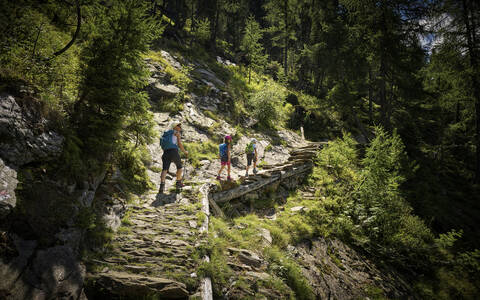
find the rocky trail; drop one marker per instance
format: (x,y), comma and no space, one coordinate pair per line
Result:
(154,251)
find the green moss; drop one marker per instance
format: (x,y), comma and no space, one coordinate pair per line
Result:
(201,217)
(211,115)
(374,292)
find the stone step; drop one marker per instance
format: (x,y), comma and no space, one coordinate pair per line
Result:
(136,286)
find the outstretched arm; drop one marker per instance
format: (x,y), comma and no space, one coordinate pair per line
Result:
(180,145)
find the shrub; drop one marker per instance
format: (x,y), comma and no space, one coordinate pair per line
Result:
(267,104)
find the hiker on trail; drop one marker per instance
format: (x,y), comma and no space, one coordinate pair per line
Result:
(224,154)
(251,152)
(170,142)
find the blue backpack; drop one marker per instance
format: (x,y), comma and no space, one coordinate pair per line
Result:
(223,150)
(166,141)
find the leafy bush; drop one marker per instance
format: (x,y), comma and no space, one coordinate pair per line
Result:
(267,103)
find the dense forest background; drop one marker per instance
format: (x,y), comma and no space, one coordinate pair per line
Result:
(410,67)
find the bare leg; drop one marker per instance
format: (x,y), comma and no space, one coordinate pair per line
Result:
(163,176)
(179,174)
(221,169)
(228,168)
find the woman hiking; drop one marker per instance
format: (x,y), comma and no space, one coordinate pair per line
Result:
(224,155)
(170,142)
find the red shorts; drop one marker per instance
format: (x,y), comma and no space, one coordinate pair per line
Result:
(224,161)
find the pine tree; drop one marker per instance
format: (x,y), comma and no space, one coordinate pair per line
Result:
(251,45)
(114,75)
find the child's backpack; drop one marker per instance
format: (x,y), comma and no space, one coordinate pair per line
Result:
(249,148)
(223,150)
(166,141)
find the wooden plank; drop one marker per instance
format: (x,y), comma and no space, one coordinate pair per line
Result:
(216,209)
(237,192)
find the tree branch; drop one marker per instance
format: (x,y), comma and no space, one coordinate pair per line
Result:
(79,23)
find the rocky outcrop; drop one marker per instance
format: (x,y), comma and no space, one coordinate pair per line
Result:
(8,184)
(51,273)
(24,138)
(23,134)
(336,271)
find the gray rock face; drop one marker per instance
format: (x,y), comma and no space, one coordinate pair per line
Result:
(171,60)
(210,76)
(8,184)
(11,269)
(22,135)
(52,273)
(59,274)
(348,273)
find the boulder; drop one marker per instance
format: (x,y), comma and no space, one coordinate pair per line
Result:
(265,234)
(247,257)
(158,90)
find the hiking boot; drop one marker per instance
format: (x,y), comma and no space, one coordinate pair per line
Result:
(219,178)
(179,184)
(255,171)
(229,178)
(162,188)
(246,174)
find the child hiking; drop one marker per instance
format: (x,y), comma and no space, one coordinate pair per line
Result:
(251,152)
(170,142)
(224,154)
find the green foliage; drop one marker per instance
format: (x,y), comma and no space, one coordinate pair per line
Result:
(252,47)
(367,204)
(202,31)
(131,161)
(113,75)
(267,103)
(201,151)
(30,36)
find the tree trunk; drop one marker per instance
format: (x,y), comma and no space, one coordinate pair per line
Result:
(285,55)
(370,96)
(36,39)
(214,27)
(470,26)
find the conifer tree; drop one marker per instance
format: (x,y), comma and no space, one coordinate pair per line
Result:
(114,75)
(251,45)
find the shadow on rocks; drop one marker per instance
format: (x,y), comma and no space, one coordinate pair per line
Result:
(163,199)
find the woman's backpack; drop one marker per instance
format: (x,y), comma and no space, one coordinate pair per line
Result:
(249,148)
(223,148)
(166,141)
